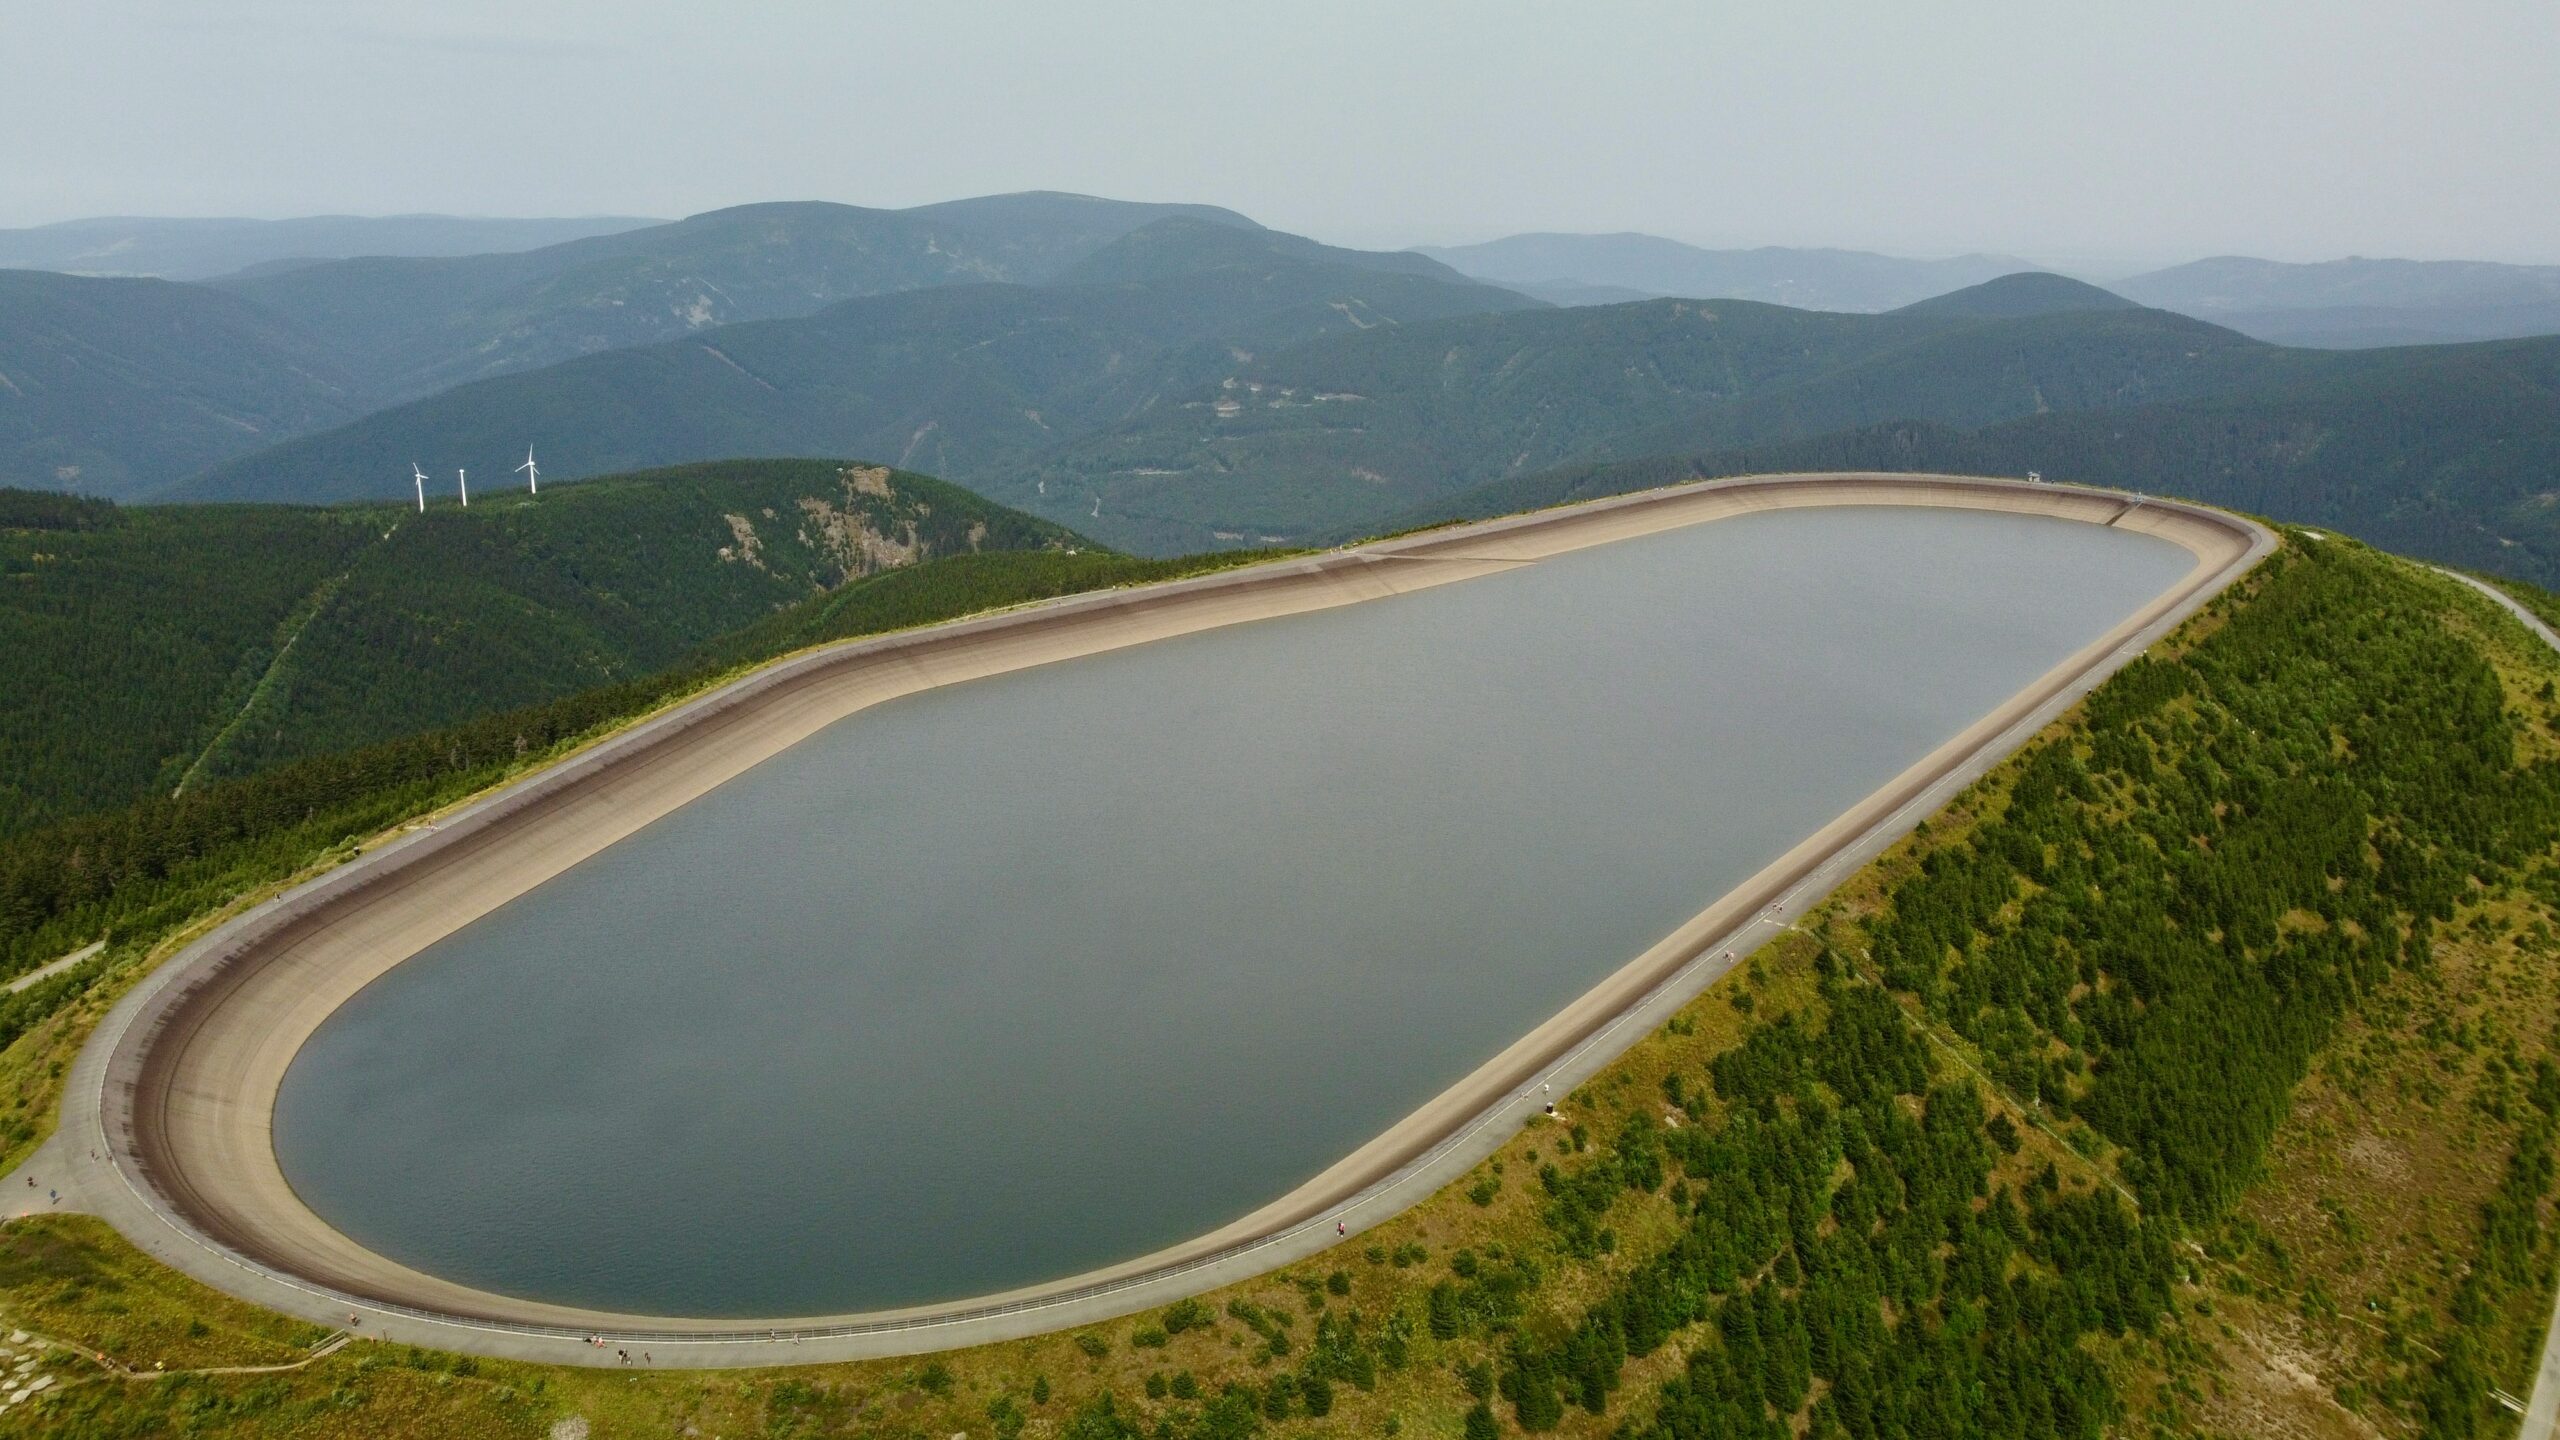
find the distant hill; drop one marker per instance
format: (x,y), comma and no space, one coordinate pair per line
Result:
(2032,292)
(1194,385)
(964,380)
(415,326)
(2358,303)
(2447,453)
(1648,265)
(173,644)
(199,249)
(1574,292)
(1192,244)
(121,392)
(2236,282)
(2366,327)
(118,387)
(1352,430)
(1041,232)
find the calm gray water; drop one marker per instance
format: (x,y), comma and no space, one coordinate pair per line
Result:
(1021,977)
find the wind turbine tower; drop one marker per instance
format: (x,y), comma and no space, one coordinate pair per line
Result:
(464,477)
(532,473)
(421,477)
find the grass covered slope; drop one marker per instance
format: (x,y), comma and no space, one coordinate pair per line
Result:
(2197,1073)
(170,646)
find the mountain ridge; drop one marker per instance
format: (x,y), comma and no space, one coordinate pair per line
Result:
(1808,278)
(952,379)
(204,248)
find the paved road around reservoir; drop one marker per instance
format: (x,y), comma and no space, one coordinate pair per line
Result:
(87,1167)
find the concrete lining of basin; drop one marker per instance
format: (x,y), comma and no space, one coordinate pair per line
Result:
(175,1093)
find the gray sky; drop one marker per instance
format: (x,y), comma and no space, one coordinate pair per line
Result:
(2076,134)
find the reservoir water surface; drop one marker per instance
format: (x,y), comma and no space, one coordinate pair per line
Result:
(1012,979)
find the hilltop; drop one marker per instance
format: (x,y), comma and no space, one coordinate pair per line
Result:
(151,658)
(2030,292)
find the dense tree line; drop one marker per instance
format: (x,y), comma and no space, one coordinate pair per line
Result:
(156,646)
(516,601)
(126,632)
(1843,1188)
(2168,917)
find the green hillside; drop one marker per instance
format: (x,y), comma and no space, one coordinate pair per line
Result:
(967,381)
(2197,1072)
(118,387)
(129,630)
(178,645)
(2449,453)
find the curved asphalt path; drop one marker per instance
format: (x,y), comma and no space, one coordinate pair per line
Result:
(83,1165)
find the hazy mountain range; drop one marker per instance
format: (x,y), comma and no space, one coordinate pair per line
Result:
(1175,377)
(1604,269)
(2338,304)
(180,249)
(2355,303)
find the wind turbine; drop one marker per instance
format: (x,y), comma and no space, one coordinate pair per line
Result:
(421,477)
(532,473)
(464,476)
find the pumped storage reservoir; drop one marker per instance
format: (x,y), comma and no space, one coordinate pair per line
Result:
(1013,979)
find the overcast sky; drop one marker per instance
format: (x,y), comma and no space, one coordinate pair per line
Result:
(2157,130)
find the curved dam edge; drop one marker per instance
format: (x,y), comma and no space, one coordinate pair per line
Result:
(174,1094)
